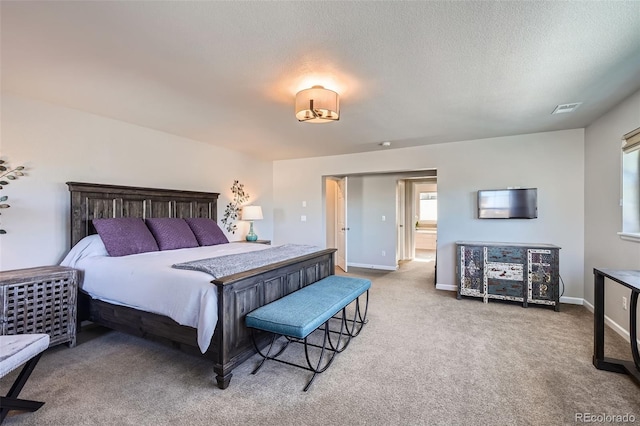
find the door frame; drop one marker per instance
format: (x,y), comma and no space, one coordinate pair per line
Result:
(332,219)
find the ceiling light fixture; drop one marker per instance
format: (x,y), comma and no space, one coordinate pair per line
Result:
(386,143)
(317,105)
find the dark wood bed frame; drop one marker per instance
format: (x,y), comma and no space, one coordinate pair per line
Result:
(238,294)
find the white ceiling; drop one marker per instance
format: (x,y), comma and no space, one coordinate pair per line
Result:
(412,73)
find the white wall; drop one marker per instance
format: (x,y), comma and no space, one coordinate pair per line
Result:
(58,145)
(603,214)
(553,162)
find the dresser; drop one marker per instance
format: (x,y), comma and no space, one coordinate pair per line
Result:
(518,272)
(40,300)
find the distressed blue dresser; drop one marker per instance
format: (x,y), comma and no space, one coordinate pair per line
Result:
(525,273)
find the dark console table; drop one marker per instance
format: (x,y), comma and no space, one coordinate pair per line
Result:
(631,280)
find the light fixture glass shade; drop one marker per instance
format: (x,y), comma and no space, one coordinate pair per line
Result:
(317,105)
(251,213)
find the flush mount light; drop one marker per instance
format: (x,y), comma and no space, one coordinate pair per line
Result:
(385,144)
(317,105)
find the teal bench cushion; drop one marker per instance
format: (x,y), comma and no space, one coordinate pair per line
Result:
(301,312)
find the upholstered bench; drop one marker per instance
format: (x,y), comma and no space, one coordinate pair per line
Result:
(16,350)
(311,308)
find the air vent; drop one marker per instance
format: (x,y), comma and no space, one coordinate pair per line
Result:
(561,109)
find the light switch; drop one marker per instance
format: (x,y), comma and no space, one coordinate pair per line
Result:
(304,204)
(303,218)
(384,218)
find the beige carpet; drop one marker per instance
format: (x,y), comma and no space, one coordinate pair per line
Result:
(424,358)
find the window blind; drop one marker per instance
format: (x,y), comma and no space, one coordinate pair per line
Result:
(631,141)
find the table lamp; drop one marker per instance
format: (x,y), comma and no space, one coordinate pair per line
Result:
(251,213)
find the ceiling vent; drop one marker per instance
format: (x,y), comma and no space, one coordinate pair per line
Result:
(561,109)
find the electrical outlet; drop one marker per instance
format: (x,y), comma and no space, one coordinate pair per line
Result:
(624,303)
(384,253)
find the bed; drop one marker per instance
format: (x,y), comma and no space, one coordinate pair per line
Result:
(237,294)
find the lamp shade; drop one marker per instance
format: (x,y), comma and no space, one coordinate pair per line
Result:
(252,213)
(317,105)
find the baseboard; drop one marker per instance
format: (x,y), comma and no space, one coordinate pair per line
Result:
(572,300)
(569,300)
(370,266)
(588,305)
(611,323)
(447,287)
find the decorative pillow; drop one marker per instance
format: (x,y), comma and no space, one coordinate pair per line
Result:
(207,231)
(125,235)
(171,233)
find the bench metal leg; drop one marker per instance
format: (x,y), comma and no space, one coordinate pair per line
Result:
(331,344)
(19,404)
(344,331)
(362,318)
(317,369)
(11,401)
(266,356)
(325,358)
(359,318)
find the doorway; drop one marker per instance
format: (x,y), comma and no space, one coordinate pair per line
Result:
(426,219)
(370,218)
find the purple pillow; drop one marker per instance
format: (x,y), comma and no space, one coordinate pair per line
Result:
(171,233)
(125,235)
(207,231)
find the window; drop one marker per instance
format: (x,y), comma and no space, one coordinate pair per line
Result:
(428,208)
(631,186)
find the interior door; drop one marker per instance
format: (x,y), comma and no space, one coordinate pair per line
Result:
(342,228)
(400,216)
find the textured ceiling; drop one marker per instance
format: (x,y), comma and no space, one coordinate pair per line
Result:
(412,73)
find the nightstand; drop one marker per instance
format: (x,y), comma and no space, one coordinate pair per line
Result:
(267,242)
(40,300)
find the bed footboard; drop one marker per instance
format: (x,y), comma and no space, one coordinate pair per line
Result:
(241,293)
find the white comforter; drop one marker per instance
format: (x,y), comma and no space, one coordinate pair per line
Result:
(147,281)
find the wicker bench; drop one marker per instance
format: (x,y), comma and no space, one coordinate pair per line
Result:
(297,315)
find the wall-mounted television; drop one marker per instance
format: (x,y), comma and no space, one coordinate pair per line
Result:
(519,203)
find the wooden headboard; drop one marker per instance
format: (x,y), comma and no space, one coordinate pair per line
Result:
(91,201)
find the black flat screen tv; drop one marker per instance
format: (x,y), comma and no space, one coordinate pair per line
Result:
(520,203)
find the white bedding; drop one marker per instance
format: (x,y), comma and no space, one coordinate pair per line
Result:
(146,281)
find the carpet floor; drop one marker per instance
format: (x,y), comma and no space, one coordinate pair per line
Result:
(424,358)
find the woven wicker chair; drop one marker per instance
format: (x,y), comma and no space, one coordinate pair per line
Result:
(16,350)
